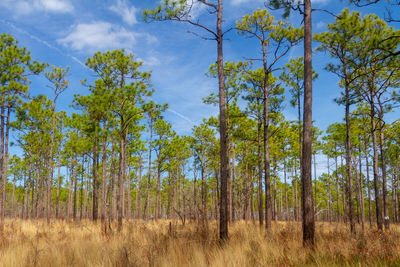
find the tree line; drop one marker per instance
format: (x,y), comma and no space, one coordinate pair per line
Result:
(116,157)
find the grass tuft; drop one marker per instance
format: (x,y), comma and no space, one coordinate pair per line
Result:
(168,243)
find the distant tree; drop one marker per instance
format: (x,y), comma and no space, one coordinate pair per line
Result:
(57,78)
(276,39)
(340,41)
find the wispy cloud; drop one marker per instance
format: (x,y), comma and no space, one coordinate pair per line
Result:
(43,42)
(126,11)
(150,61)
(24,7)
(239,2)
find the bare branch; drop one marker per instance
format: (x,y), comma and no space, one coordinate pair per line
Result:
(209,4)
(202,37)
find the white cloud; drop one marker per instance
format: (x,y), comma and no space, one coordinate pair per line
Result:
(24,7)
(99,35)
(239,2)
(56,6)
(151,61)
(126,11)
(323,2)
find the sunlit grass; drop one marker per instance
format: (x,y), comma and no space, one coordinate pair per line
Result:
(33,243)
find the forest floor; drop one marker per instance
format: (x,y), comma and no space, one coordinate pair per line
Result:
(82,243)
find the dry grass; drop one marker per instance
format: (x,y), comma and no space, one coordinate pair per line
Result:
(33,243)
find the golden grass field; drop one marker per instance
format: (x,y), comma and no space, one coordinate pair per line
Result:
(34,243)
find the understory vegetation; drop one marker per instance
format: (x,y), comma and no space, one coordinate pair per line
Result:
(170,243)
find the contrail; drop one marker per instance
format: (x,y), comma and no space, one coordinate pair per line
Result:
(177,114)
(43,42)
(182,116)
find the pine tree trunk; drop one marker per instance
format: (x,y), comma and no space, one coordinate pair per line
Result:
(74,175)
(267,175)
(50,167)
(13,198)
(330,192)
(95,167)
(344,186)
(252,200)
(287,216)
(195,190)
(223,218)
(3,180)
(337,189)
(259,185)
(306,182)
(368,181)
(139,188)
(361,182)
(233,184)
(128,197)
(147,204)
(5,167)
(203,187)
(59,181)
(348,162)
(315,186)
(246,185)
(82,203)
(384,178)
(378,206)
(121,175)
(71,184)
(294,192)
(394,195)
(104,180)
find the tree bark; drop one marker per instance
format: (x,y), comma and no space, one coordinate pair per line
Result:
(121,175)
(306,180)
(233,184)
(337,189)
(139,188)
(3,179)
(95,165)
(104,181)
(223,217)
(384,176)
(287,216)
(379,219)
(5,166)
(260,196)
(348,161)
(246,185)
(361,182)
(149,171)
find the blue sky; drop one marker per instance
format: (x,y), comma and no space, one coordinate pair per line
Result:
(66,32)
